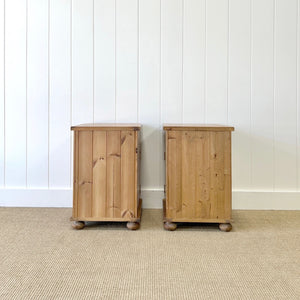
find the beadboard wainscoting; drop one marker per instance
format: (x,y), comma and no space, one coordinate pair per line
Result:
(67,62)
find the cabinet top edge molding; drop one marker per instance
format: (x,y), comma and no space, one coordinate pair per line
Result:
(198,127)
(108,126)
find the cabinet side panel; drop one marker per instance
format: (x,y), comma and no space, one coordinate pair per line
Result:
(172,204)
(137,172)
(75,176)
(128,174)
(202,175)
(227,175)
(188,174)
(113,173)
(221,176)
(178,175)
(217,194)
(99,174)
(85,175)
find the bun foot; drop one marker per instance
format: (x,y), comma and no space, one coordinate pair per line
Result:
(225,226)
(78,225)
(170,226)
(133,225)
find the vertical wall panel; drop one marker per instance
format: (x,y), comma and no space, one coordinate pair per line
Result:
(15,93)
(217,55)
(59,93)
(298,96)
(104,64)
(37,93)
(171,60)
(285,95)
(262,113)
(82,61)
(2,101)
(239,90)
(149,91)
(194,19)
(126,60)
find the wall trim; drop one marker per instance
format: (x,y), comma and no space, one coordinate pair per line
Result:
(36,197)
(152,198)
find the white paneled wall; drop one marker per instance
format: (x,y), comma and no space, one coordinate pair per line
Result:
(262,94)
(2,82)
(60,101)
(66,62)
(149,95)
(104,61)
(15,93)
(194,61)
(37,104)
(285,95)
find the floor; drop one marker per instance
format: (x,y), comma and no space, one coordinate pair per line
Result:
(42,257)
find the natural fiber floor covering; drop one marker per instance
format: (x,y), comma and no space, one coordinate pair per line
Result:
(42,257)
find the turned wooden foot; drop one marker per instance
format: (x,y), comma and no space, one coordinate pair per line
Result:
(78,225)
(170,226)
(225,226)
(133,225)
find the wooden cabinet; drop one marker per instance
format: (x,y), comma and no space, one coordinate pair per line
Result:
(106,174)
(198,175)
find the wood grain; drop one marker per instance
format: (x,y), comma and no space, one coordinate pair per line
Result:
(198,175)
(188,174)
(106,174)
(128,174)
(217,195)
(113,173)
(202,175)
(196,127)
(136,218)
(107,126)
(99,174)
(137,163)
(227,176)
(75,176)
(85,175)
(174,180)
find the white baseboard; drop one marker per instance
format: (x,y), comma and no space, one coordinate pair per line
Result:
(36,197)
(266,200)
(151,199)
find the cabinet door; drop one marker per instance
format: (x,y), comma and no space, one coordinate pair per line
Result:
(198,175)
(105,175)
(120,174)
